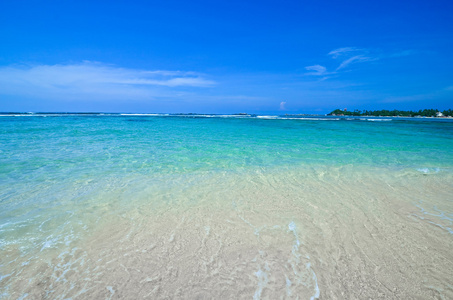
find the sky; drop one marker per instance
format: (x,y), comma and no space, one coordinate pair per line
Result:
(279,57)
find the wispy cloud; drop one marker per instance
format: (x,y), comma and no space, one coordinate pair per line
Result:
(351,55)
(343,51)
(347,55)
(354,59)
(95,80)
(318,70)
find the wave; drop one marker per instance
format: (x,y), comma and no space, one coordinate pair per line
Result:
(313,119)
(268,117)
(378,120)
(146,115)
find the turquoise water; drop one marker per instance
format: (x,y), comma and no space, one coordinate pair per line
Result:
(175,144)
(67,179)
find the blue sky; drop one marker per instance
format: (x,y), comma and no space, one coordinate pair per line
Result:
(233,56)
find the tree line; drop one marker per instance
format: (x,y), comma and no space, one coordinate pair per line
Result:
(394,113)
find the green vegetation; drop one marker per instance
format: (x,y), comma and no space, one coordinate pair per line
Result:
(394,113)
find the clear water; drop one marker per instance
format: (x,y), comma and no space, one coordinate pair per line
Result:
(124,206)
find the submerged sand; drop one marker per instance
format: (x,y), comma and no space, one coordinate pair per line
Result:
(264,234)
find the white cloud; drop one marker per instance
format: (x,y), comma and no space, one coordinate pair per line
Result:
(349,55)
(352,55)
(94,80)
(318,70)
(343,51)
(354,59)
(282,105)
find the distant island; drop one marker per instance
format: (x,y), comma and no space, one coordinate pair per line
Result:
(393,113)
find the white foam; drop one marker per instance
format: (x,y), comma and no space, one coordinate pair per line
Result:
(295,251)
(428,170)
(379,120)
(233,116)
(194,116)
(4,276)
(448,229)
(315,279)
(24,115)
(262,281)
(111,290)
(7,223)
(292,228)
(288,287)
(268,117)
(423,170)
(151,115)
(48,244)
(313,119)
(207,229)
(440,215)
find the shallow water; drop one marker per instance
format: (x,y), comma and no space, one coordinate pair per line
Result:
(225,207)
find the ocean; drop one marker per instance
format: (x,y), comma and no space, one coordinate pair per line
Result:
(158,206)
